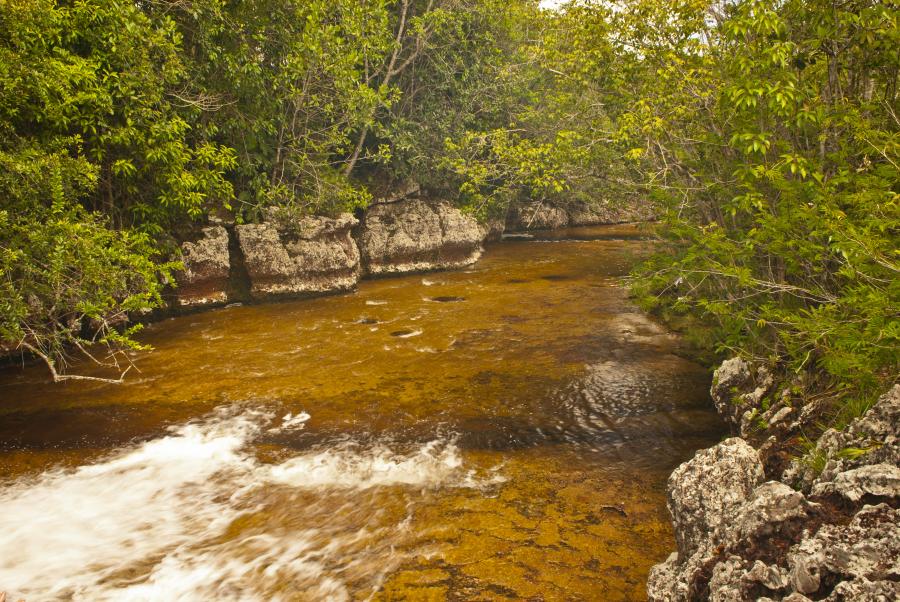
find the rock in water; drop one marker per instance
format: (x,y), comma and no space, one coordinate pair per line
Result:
(204,281)
(416,235)
(307,256)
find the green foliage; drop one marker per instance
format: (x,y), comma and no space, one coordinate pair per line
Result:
(103,76)
(286,85)
(555,142)
(121,123)
(68,281)
(770,132)
(767,129)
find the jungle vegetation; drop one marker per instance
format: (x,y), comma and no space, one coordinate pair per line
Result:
(766,131)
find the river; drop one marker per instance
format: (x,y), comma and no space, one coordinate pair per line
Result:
(499,433)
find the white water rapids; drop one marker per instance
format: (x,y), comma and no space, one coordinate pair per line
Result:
(195,515)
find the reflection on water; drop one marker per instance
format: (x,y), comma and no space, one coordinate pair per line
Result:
(498,433)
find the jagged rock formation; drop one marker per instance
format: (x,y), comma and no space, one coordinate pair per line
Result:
(311,255)
(416,235)
(875,434)
(834,535)
(204,281)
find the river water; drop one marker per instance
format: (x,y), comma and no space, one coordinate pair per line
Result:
(498,433)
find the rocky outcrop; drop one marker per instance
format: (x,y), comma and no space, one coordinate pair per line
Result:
(738,390)
(705,492)
(416,235)
(536,216)
(870,441)
(738,538)
(307,256)
(603,211)
(541,215)
(492,230)
(204,280)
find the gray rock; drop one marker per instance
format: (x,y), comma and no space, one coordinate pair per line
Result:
(666,583)
(771,509)
(706,492)
(536,216)
(795,597)
(415,235)
(863,590)
(609,212)
(729,380)
(309,256)
(738,579)
(204,281)
(879,480)
(738,390)
(877,433)
(868,548)
(542,215)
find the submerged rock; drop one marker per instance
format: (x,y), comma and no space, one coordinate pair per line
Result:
(204,281)
(310,255)
(417,235)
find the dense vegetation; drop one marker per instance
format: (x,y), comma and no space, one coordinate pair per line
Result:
(767,131)
(121,123)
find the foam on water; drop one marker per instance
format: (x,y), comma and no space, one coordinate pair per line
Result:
(161,520)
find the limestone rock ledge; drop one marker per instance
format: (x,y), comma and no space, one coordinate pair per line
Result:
(417,235)
(547,216)
(311,256)
(834,535)
(204,281)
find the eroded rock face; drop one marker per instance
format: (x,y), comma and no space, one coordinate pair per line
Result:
(546,216)
(868,549)
(705,495)
(493,229)
(770,542)
(312,255)
(204,281)
(417,235)
(537,216)
(877,434)
(737,390)
(708,490)
(609,212)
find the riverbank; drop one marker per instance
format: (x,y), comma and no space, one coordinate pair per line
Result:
(757,517)
(289,256)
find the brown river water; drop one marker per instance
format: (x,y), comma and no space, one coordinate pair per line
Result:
(499,433)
